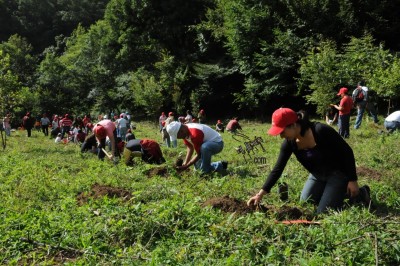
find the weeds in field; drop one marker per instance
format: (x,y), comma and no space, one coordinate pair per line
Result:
(60,206)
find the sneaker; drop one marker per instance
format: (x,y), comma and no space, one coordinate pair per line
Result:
(365,195)
(224,164)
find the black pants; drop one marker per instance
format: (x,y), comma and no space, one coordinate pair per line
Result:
(102,145)
(45,130)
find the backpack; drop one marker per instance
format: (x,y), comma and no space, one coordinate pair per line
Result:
(359,96)
(151,151)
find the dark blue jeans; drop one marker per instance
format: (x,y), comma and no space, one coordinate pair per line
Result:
(327,192)
(344,125)
(208,149)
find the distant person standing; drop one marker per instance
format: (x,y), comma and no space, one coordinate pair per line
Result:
(65,124)
(169,120)
(201,116)
(161,120)
(392,122)
(188,118)
(45,122)
(28,122)
(86,120)
(55,127)
(122,126)
(7,124)
(360,98)
(344,107)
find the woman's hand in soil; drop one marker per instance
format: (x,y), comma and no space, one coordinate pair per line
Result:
(255,200)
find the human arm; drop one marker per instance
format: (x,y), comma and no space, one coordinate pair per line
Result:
(327,120)
(188,159)
(256,199)
(338,107)
(284,155)
(352,189)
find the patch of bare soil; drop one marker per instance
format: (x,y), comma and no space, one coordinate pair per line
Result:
(228,204)
(368,172)
(288,213)
(99,191)
(178,162)
(160,171)
(64,256)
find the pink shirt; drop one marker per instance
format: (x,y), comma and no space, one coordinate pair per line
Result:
(108,125)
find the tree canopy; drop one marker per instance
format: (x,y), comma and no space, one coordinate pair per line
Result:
(226,56)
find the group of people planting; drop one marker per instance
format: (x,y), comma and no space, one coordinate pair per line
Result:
(322,151)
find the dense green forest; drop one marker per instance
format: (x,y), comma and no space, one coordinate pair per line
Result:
(226,56)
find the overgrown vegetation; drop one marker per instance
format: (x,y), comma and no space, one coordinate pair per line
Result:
(60,206)
(107,55)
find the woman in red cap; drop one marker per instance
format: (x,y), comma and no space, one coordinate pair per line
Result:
(316,146)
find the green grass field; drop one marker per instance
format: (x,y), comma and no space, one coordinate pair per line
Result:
(58,206)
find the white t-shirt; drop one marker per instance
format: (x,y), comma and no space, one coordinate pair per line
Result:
(122,122)
(395,116)
(188,119)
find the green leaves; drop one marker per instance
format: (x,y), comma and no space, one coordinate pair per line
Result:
(326,68)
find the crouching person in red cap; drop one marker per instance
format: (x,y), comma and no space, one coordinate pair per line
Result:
(202,139)
(102,130)
(324,153)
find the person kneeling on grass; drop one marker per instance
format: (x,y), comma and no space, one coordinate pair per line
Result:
(202,139)
(233,125)
(149,150)
(324,153)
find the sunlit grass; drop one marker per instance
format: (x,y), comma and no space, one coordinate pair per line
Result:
(163,222)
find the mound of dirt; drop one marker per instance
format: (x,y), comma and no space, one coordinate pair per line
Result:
(178,162)
(98,191)
(369,173)
(228,204)
(288,213)
(160,171)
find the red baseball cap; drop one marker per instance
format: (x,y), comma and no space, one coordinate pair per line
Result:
(281,118)
(342,91)
(100,132)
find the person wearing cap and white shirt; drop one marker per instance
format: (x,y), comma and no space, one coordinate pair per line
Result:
(392,122)
(323,152)
(345,106)
(170,119)
(202,139)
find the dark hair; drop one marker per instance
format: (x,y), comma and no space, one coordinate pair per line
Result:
(303,121)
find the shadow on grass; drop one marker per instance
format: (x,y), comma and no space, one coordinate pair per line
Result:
(382,210)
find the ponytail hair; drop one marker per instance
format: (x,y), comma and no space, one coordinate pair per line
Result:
(303,121)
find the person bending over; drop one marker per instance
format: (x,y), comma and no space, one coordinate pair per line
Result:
(324,153)
(202,139)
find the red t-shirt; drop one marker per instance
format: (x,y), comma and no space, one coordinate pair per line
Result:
(199,134)
(347,103)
